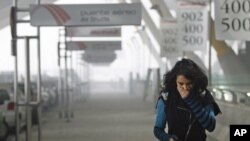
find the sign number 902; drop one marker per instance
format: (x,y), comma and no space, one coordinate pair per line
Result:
(192,28)
(192,22)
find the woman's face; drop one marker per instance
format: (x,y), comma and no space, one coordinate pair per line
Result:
(184,85)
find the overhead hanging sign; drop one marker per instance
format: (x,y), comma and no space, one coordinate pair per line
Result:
(86,15)
(94,45)
(93,31)
(232,20)
(96,57)
(192,21)
(168,37)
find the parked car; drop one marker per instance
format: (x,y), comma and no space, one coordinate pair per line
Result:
(9,105)
(217,94)
(243,97)
(229,96)
(4,129)
(49,98)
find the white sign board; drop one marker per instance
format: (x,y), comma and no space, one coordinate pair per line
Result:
(94,45)
(85,15)
(192,21)
(93,31)
(232,19)
(95,57)
(168,28)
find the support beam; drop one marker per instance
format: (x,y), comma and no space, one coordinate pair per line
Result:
(229,61)
(156,33)
(161,8)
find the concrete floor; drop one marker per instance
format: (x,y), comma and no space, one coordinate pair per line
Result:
(105,117)
(101,117)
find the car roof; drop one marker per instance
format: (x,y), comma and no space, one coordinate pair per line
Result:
(6,85)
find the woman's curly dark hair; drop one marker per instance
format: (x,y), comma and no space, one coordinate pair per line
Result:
(190,70)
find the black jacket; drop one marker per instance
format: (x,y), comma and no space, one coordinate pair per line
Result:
(182,121)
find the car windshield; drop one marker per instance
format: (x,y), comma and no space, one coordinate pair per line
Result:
(4,96)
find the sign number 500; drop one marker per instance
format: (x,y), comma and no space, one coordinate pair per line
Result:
(236,7)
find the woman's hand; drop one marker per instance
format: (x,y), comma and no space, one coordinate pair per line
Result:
(183,92)
(171,139)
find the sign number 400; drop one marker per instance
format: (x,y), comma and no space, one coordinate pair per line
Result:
(193,28)
(236,7)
